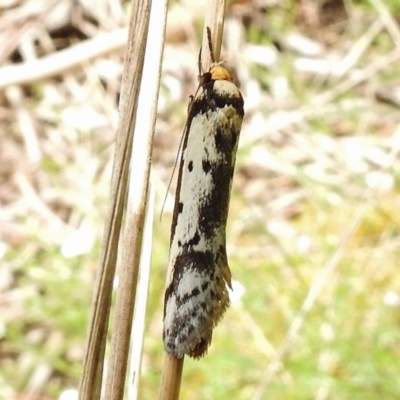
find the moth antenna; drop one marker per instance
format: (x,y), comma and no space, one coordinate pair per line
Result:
(199,61)
(177,158)
(210,44)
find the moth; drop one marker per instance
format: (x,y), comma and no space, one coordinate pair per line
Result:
(196,295)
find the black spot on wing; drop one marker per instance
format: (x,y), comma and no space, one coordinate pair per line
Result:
(189,295)
(206,166)
(219,139)
(194,240)
(190,166)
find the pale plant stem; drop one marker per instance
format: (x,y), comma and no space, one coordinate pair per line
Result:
(143,124)
(91,383)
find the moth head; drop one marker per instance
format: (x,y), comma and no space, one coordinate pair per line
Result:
(219,73)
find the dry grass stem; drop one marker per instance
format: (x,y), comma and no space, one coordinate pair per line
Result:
(357,77)
(137,336)
(214,19)
(63,60)
(137,198)
(171,378)
(390,23)
(94,357)
(358,50)
(315,290)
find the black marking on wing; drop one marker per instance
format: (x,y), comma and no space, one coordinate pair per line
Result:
(194,240)
(206,166)
(209,100)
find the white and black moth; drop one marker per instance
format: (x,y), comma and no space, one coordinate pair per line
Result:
(196,296)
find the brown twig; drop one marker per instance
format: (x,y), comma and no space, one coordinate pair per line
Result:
(137,199)
(171,378)
(90,387)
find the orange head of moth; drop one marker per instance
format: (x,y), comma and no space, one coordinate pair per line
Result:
(219,73)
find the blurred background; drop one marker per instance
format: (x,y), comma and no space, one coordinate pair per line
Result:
(313,235)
